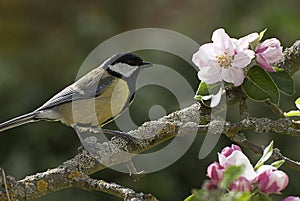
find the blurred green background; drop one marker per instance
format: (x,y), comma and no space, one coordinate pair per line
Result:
(43,43)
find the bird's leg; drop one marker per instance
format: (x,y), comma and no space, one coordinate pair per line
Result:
(133,172)
(120,134)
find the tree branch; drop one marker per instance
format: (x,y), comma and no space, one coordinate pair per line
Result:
(89,184)
(73,173)
(290,61)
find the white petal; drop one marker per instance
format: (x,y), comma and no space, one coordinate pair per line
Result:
(222,159)
(264,168)
(197,60)
(243,42)
(216,98)
(233,75)
(221,40)
(242,59)
(210,75)
(250,53)
(204,55)
(273,55)
(238,158)
(210,50)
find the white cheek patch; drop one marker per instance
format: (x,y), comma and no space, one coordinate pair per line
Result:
(123,69)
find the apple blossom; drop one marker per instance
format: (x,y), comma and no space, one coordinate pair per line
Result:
(215,172)
(234,156)
(291,198)
(222,60)
(244,42)
(271,180)
(268,52)
(227,151)
(210,186)
(241,184)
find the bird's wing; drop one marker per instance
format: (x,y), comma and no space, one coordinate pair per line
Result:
(82,89)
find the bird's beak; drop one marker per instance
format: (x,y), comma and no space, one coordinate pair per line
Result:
(146,64)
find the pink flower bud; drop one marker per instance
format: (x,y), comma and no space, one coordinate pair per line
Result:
(271,180)
(241,184)
(234,156)
(215,172)
(291,198)
(268,52)
(210,186)
(227,151)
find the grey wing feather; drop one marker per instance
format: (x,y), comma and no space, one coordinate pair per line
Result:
(66,95)
(82,89)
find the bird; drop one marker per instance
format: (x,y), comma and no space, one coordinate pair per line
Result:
(95,99)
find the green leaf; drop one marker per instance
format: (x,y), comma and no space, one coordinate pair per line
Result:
(230,175)
(191,198)
(266,155)
(254,43)
(278,164)
(297,103)
(262,33)
(244,196)
(196,196)
(202,90)
(260,197)
(277,69)
(209,94)
(237,196)
(284,82)
(259,86)
(292,113)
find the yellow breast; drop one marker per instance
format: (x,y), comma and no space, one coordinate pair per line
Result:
(99,110)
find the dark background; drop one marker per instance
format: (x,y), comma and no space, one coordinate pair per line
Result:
(43,43)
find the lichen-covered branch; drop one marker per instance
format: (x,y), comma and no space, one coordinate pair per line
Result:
(291,59)
(193,119)
(181,122)
(89,184)
(67,175)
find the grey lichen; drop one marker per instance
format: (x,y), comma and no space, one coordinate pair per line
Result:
(291,59)
(262,125)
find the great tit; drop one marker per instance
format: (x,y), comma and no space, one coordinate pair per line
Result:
(95,99)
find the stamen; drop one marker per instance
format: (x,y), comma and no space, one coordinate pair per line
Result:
(225,61)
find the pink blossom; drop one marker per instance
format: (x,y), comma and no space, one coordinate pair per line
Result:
(241,184)
(209,185)
(244,42)
(222,60)
(268,52)
(271,180)
(215,172)
(234,156)
(228,150)
(291,198)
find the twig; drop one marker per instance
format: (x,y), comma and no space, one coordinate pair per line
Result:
(5,185)
(147,136)
(243,106)
(275,109)
(242,140)
(117,190)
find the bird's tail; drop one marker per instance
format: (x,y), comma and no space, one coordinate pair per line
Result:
(18,121)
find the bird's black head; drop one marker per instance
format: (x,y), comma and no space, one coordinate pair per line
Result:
(130,59)
(124,65)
